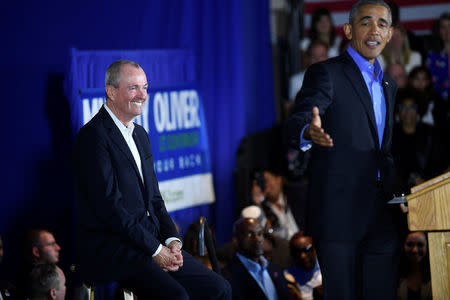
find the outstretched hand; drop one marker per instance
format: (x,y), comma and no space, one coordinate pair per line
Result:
(315,131)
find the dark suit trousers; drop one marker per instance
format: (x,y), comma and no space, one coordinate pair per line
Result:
(192,281)
(364,269)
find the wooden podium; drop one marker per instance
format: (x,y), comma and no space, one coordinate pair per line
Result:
(429,210)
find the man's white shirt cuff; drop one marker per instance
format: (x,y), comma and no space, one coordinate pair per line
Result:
(157,250)
(167,244)
(174,239)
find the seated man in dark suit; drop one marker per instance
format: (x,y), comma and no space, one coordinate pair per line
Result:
(250,274)
(124,231)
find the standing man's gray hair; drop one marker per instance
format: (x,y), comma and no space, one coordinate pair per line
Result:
(357,5)
(112,76)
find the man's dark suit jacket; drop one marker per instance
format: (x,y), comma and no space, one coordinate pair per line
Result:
(114,232)
(342,200)
(244,286)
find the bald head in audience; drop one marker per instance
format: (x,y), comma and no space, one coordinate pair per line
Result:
(250,238)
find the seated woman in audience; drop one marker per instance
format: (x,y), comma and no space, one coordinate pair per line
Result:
(417,148)
(438,59)
(414,283)
(397,51)
(432,108)
(322,28)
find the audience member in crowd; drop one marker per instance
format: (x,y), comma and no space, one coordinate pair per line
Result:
(418,152)
(415,280)
(397,51)
(317,51)
(46,281)
(415,42)
(322,28)
(7,289)
(432,108)
(251,276)
(40,248)
(275,205)
(438,59)
(398,73)
(276,249)
(306,270)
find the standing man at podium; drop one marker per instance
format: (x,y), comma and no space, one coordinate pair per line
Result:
(344,116)
(124,231)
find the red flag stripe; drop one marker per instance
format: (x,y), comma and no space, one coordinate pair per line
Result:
(419,25)
(402,3)
(346,5)
(331,6)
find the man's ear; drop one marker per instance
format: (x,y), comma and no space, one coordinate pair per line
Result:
(348,31)
(111,92)
(52,294)
(35,252)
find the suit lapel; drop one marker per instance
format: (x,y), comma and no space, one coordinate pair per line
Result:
(251,282)
(118,140)
(143,155)
(355,77)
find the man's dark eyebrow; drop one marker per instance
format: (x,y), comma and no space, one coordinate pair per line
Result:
(364,18)
(383,20)
(370,17)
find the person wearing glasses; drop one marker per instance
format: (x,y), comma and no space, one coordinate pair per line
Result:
(304,275)
(40,247)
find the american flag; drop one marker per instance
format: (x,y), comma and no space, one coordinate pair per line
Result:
(417,16)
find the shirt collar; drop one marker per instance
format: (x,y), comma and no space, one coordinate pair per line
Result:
(128,129)
(252,265)
(365,66)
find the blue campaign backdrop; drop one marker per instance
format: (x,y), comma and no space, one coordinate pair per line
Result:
(230,41)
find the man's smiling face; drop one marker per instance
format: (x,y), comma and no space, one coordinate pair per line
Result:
(370,31)
(127,100)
